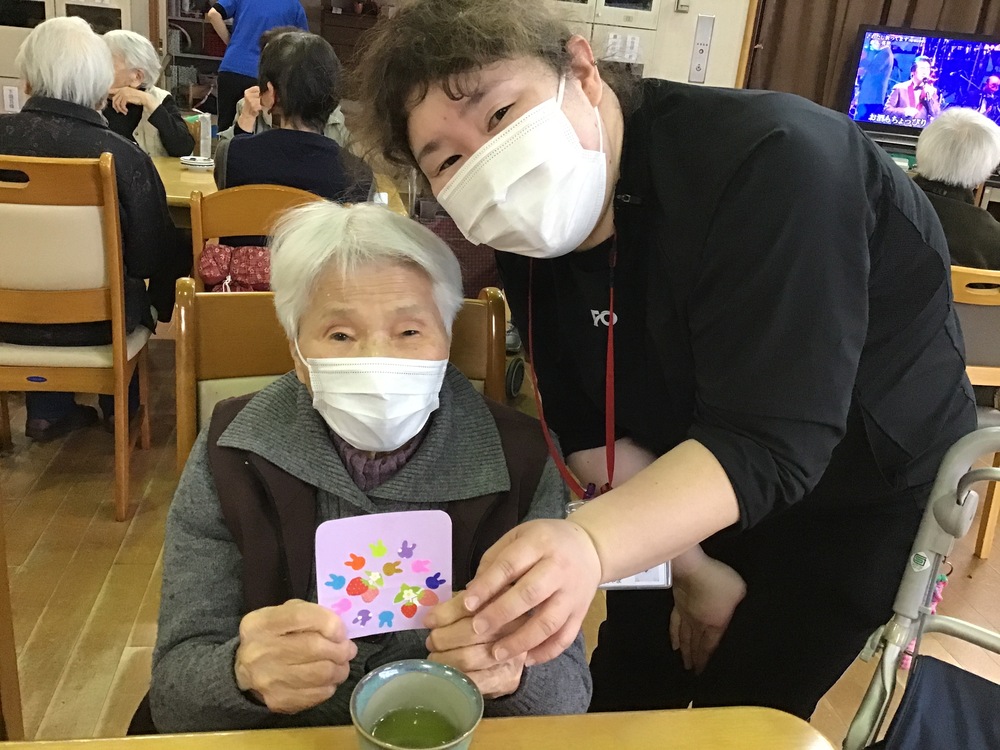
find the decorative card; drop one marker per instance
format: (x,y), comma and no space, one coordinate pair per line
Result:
(382,573)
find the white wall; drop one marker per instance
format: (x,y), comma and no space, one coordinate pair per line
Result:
(10,42)
(675,40)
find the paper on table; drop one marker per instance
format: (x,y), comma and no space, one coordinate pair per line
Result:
(382,573)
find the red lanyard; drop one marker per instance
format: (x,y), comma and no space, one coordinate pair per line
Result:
(609,391)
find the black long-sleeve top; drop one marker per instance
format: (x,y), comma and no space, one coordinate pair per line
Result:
(783,297)
(294,158)
(166,119)
(973,234)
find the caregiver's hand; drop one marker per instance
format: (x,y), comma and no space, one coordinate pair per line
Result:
(459,646)
(705,598)
(548,567)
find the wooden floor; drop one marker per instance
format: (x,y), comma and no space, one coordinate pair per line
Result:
(85,589)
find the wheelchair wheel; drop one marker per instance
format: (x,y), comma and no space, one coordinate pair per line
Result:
(515,376)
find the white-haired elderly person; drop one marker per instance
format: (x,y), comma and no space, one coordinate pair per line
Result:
(67,71)
(955,154)
(373,419)
(136,107)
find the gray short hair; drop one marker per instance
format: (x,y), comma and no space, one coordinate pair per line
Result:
(63,58)
(137,52)
(322,235)
(960,147)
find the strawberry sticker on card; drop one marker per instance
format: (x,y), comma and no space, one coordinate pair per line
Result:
(383,573)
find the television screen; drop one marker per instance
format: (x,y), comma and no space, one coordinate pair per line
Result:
(905,78)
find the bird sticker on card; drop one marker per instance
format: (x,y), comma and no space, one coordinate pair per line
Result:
(382,573)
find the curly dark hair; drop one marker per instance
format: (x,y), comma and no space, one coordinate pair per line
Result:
(432,42)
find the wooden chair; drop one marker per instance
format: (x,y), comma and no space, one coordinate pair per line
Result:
(61,262)
(977,301)
(244,210)
(478,340)
(232,344)
(11,723)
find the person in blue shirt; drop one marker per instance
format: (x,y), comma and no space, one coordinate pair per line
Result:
(251,18)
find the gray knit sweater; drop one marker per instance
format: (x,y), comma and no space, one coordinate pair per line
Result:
(193,685)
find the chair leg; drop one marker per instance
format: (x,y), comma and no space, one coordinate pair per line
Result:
(144,439)
(123,444)
(6,442)
(988,523)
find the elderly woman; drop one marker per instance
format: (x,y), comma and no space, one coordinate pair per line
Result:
(67,71)
(136,107)
(300,80)
(253,118)
(241,641)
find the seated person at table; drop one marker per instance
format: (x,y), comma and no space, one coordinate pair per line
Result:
(67,71)
(136,107)
(955,155)
(241,642)
(299,79)
(252,118)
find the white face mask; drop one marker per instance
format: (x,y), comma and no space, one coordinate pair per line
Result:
(532,189)
(375,403)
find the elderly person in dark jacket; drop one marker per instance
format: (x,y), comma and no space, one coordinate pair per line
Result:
(955,154)
(372,420)
(67,71)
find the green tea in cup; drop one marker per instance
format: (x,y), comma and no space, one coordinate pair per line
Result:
(413,705)
(414,728)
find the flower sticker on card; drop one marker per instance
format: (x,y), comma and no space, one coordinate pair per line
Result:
(382,573)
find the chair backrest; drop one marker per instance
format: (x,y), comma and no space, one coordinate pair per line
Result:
(11,722)
(977,302)
(231,344)
(478,341)
(244,210)
(60,244)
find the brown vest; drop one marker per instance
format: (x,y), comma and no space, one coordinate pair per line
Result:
(272,514)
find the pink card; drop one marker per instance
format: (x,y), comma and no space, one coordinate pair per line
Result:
(383,573)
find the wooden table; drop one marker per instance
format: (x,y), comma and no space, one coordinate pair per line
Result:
(180,182)
(698,729)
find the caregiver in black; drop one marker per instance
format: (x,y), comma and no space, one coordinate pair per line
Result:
(785,371)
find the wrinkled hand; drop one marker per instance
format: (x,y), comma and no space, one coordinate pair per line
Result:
(704,602)
(459,646)
(548,568)
(293,656)
(121,98)
(251,108)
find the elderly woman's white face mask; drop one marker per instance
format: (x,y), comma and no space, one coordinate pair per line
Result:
(373,350)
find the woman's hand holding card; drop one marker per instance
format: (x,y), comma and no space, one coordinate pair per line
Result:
(458,645)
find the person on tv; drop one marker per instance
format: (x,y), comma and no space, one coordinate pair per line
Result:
(916,98)
(989,99)
(877,67)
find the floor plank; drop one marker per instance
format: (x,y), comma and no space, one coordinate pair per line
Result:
(79,578)
(130,683)
(86,682)
(144,628)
